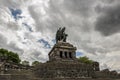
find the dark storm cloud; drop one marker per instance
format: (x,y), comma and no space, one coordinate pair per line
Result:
(79,7)
(69,13)
(108,22)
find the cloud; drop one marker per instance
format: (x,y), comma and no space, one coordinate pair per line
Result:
(78,7)
(108,23)
(28,27)
(11,3)
(2,40)
(12,26)
(10,46)
(84,21)
(45,43)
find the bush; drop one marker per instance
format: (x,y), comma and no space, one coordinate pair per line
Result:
(85,60)
(10,56)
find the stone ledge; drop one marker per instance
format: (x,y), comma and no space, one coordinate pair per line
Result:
(14,77)
(73,79)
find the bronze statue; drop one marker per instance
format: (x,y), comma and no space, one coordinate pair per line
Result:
(61,35)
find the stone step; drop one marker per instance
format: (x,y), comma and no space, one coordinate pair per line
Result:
(72,79)
(28,77)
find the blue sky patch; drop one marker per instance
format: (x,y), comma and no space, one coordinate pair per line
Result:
(79,54)
(54,41)
(28,27)
(46,44)
(16,13)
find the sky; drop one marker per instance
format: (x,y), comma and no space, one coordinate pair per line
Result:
(28,27)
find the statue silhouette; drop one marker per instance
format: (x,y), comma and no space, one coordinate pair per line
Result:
(61,35)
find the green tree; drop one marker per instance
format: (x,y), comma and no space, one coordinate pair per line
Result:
(35,63)
(11,56)
(85,60)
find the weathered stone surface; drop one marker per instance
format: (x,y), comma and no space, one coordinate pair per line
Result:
(73,79)
(107,74)
(62,51)
(64,70)
(14,77)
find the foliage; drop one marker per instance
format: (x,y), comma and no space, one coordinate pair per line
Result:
(26,63)
(35,63)
(85,60)
(10,56)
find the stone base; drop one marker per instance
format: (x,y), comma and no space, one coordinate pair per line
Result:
(73,79)
(64,70)
(14,77)
(62,51)
(26,77)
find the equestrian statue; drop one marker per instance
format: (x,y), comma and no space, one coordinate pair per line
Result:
(61,35)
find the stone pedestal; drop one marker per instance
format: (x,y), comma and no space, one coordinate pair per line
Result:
(62,51)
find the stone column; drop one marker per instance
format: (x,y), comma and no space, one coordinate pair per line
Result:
(68,55)
(63,54)
(73,55)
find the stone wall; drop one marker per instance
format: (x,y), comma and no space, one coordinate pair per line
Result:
(104,74)
(27,77)
(14,77)
(72,79)
(13,72)
(64,70)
